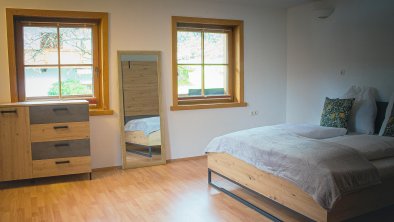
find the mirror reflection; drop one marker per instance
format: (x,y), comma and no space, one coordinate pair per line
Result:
(141,121)
(142,138)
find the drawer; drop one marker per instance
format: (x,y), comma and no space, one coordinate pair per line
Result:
(61,166)
(60,149)
(59,113)
(59,131)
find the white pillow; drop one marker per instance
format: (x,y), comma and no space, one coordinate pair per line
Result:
(148,125)
(389,113)
(364,109)
(372,147)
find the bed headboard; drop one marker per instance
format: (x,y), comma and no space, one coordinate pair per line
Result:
(382,106)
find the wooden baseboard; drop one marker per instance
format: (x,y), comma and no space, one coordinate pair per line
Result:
(107,168)
(187,158)
(168,161)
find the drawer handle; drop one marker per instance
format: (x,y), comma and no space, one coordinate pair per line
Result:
(9,111)
(62,162)
(62,144)
(60,127)
(60,109)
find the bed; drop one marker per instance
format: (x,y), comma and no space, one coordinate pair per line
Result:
(143,133)
(360,191)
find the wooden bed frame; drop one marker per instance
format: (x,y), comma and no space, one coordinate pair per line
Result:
(139,137)
(289,195)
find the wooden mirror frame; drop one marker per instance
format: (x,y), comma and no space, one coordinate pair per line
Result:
(125,164)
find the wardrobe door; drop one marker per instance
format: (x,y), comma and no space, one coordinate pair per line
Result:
(15,147)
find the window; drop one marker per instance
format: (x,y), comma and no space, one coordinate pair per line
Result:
(207,63)
(59,55)
(202,61)
(58,60)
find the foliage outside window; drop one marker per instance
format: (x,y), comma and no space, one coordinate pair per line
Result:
(207,63)
(59,55)
(202,59)
(59,61)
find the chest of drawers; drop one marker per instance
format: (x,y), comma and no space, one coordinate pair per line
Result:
(44,139)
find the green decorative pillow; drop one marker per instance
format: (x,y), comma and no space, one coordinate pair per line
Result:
(389,131)
(336,112)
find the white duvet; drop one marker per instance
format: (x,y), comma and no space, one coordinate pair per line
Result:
(372,147)
(313,131)
(148,125)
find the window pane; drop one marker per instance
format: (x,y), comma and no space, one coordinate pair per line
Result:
(215,80)
(215,48)
(189,80)
(40,45)
(77,81)
(76,45)
(41,81)
(189,47)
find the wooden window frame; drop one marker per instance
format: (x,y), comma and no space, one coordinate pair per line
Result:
(100,18)
(20,24)
(217,98)
(235,66)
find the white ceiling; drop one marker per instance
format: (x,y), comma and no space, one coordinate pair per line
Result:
(272,3)
(286,3)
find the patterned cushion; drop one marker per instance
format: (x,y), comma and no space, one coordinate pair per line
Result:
(336,112)
(389,114)
(389,131)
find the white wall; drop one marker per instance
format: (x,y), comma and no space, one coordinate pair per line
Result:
(145,25)
(357,38)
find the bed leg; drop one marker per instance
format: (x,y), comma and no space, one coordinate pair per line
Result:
(240,199)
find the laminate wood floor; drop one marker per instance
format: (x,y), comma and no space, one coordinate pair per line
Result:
(174,192)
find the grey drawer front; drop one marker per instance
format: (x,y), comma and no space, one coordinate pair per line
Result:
(59,113)
(60,149)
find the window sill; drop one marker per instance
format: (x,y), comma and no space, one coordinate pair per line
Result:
(207,106)
(100,112)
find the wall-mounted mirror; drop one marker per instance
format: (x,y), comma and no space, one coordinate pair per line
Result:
(140,95)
